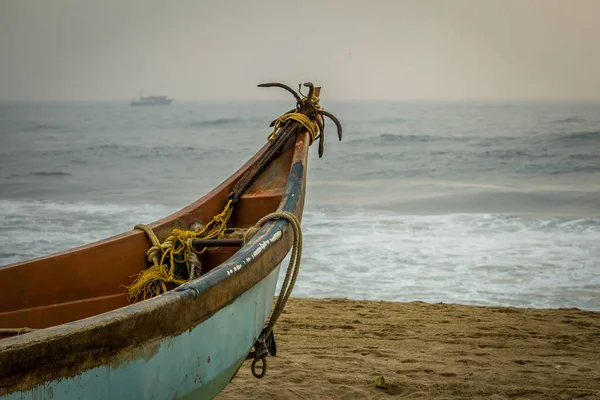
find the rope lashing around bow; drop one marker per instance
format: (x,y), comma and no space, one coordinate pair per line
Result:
(311,127)
(265,344)
(307,105)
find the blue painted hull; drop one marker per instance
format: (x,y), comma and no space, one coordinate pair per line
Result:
(196,364)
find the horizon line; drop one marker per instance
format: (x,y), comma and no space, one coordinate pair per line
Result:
(424,99)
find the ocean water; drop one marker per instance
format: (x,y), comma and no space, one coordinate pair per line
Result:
(490,203)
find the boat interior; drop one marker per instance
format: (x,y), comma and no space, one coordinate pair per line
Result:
(90,280)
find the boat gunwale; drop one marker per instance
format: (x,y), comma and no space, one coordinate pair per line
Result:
(100,330)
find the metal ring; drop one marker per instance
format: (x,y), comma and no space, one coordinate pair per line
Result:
(196,290)
(264,367)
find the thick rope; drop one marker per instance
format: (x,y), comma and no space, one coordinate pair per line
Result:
(261,346)
(311,126)
(293,267)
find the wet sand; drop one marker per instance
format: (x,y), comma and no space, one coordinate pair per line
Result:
(337,349)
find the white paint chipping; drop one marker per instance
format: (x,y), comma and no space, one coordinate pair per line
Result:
(276,236)
(259,249)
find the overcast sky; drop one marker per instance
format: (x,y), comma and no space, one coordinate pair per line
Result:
(369,49)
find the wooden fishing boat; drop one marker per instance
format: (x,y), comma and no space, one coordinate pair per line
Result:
(69,330)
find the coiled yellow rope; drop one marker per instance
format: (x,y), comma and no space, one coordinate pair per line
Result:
(153,281)
(311,127)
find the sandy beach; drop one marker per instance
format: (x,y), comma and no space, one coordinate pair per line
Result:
(338,349)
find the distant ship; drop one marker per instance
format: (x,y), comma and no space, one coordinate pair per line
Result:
(151,101)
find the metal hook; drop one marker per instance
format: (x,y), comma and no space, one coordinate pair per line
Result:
(283,86)
(263,369)
(311,90)
(309,109)
(335,121)
(321,136)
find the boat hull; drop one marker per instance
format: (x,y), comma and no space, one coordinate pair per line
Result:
(196,364)
(165,102)
(83,345)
